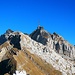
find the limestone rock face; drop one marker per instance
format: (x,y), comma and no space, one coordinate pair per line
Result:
(62,46)
(55,41)
(48,54)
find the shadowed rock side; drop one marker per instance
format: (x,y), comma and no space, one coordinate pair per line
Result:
(15,41)
(40,35)
(7,66)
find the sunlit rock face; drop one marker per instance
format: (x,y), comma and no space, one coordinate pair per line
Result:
(48,54)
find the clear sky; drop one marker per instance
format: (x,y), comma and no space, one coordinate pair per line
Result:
(54,15)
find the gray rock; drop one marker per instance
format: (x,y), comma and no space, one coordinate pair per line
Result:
(40,35)
(55,41)
(5,36)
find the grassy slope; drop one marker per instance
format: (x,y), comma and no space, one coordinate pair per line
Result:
(25,63)
(34,65)
(4,45)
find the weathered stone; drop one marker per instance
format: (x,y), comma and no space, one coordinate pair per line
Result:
(54,41)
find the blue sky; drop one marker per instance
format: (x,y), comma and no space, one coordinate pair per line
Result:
(54,15)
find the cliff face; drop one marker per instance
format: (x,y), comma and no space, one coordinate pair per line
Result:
(48,54)
(39,53)
(55,41)
(40,35)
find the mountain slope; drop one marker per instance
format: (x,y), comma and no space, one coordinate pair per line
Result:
(24,60)
(34,65)
(49,54)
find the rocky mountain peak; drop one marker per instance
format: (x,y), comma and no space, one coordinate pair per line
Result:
(9,31)
(40,35)
(54,41)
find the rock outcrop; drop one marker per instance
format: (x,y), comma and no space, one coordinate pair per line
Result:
(40,35)
(48,54)
(55,41)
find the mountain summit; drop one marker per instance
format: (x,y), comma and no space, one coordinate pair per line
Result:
(55,41)
(39,53)
(40,35)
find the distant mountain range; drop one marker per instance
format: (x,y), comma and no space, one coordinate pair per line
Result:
(39,53)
